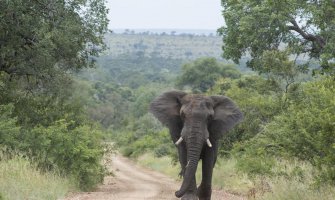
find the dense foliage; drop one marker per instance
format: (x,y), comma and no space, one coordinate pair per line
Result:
(303,130)
(51,128)
(41,38)
(286,118)
(303,27)
(306,130)
(201,74)
(42,115)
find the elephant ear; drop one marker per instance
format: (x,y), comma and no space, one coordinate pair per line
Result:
(226,116)
(166,108)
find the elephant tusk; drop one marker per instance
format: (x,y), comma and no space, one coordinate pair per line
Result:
(209,143)
(179,141)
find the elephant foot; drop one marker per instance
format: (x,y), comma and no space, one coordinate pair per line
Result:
(204,192)
(190,196)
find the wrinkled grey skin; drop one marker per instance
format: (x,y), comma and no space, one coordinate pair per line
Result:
(196,118)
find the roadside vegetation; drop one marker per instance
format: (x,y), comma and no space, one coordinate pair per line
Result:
(42,115)
(22,179)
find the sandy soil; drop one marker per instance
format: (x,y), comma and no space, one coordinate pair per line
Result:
(132,182)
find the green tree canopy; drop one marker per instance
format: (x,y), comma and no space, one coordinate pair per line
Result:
(304,27)
(40,37)
(201,74)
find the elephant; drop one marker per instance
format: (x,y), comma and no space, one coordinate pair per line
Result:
(196,123)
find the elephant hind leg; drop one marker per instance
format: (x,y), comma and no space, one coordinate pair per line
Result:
(204,192)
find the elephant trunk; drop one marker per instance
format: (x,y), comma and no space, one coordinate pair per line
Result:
(193,156)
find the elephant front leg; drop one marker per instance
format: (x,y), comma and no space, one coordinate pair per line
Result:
(205,188)
(191,193)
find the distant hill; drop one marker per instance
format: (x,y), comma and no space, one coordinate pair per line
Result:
(175,45)
(136,58)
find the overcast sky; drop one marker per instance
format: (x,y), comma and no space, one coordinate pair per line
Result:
(165,14)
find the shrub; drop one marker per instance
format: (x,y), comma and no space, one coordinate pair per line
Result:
(74,152)
(305,131)
(8,128)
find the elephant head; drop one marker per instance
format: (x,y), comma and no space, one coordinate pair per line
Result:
(197,120)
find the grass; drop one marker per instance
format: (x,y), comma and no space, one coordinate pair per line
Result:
(226,176)
(296,182)
(295,189)
(21,180)
(292,180)
(162,164)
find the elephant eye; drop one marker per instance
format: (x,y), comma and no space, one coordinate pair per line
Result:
(209,104)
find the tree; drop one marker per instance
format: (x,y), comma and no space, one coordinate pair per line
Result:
(41,37)
(201,74)
(303,27)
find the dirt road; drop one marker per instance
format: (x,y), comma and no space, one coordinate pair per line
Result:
(132,182)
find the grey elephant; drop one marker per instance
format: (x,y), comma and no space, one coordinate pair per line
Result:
(196,123)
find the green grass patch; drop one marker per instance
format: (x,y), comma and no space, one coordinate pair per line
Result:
(21,180)
(163,164)
(226,176)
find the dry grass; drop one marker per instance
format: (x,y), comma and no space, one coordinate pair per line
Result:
(20,180)
(295,189)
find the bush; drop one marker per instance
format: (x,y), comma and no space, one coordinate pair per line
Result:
(8,127)
(145,135)
(305,131)
(74,152)
(202,74)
